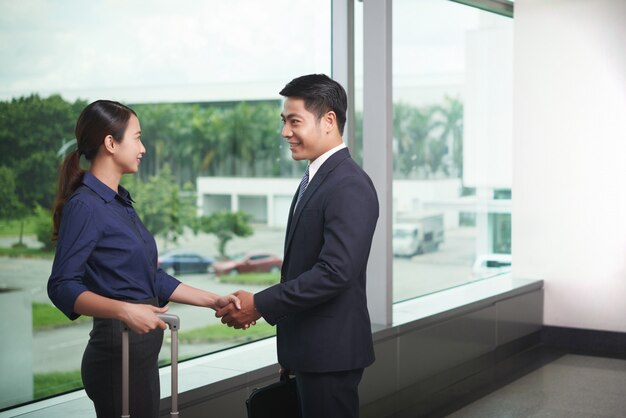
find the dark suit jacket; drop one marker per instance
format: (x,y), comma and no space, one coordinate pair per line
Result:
(320,306)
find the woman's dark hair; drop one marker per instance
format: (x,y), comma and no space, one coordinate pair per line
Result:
(96,121)
(321,94)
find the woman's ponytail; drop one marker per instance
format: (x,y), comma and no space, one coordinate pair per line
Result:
(70,177)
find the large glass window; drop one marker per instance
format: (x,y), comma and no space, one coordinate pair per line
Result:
(452,131)
(204,78)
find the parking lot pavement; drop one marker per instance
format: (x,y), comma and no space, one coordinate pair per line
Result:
(263,239)
(430,272)
(27,274)
(412,276)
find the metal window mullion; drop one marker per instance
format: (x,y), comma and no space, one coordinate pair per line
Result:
(342,59)
(377,150)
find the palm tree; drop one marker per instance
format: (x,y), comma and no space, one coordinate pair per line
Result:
(412,128)
(450,120)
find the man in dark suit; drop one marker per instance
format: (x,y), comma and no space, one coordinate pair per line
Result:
(320,307)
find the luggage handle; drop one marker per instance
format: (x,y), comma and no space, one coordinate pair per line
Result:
(174,324)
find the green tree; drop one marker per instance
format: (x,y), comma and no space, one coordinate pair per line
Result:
(10,205)
(168,138)
(43,227)
(255,129)
(450,120)
(31,131)
(242,140)
(225,226)
(436,151)
(412,129)
(210,131)
(231,139)
(163,207)
(11,208)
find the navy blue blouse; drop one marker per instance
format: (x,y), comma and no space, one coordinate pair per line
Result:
(104,247)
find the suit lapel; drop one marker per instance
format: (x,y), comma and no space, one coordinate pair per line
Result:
(328,166)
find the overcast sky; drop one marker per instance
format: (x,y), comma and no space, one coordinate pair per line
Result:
(77,45)
(200,50)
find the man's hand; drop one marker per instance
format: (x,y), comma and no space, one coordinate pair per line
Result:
(240,318)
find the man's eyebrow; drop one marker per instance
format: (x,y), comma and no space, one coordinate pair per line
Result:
(290,115)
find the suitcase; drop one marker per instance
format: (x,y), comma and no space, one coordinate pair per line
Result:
(174,323)
(277,400)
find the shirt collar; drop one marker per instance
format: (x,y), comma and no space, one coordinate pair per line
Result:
(104,191)
(315,165)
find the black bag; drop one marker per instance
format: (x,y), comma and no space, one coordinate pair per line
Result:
(277,400)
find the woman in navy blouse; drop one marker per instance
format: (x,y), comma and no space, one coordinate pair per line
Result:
(106,262)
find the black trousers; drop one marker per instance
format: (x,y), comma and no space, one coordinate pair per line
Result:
(102,370)
(329,395)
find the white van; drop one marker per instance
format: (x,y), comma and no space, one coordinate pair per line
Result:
(417,237)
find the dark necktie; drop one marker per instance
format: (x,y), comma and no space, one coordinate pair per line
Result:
(303,184)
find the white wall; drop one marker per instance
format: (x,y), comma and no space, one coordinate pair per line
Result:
(278,193)
(569,158)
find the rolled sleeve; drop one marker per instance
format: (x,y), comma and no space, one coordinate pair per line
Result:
(165,286)
(79,235)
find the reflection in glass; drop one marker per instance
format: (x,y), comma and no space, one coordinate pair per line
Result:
(452,95)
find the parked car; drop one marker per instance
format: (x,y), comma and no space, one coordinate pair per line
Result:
(248,263)
(183,261)
(491,264)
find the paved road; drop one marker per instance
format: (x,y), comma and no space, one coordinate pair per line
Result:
(61,349)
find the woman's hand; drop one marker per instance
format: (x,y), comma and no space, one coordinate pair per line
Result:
(142,318)
(222,301)
(138,317)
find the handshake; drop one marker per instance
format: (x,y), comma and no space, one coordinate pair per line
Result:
(239,310)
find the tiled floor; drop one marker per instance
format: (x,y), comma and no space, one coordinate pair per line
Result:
(572,386)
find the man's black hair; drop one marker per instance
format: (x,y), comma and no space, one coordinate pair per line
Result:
(321,94)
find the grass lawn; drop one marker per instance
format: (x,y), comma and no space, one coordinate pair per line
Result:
(54,383)
(219,332)
(46,316)
(251,278)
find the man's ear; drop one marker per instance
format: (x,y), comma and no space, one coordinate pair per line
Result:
(109,144)
(330,121)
